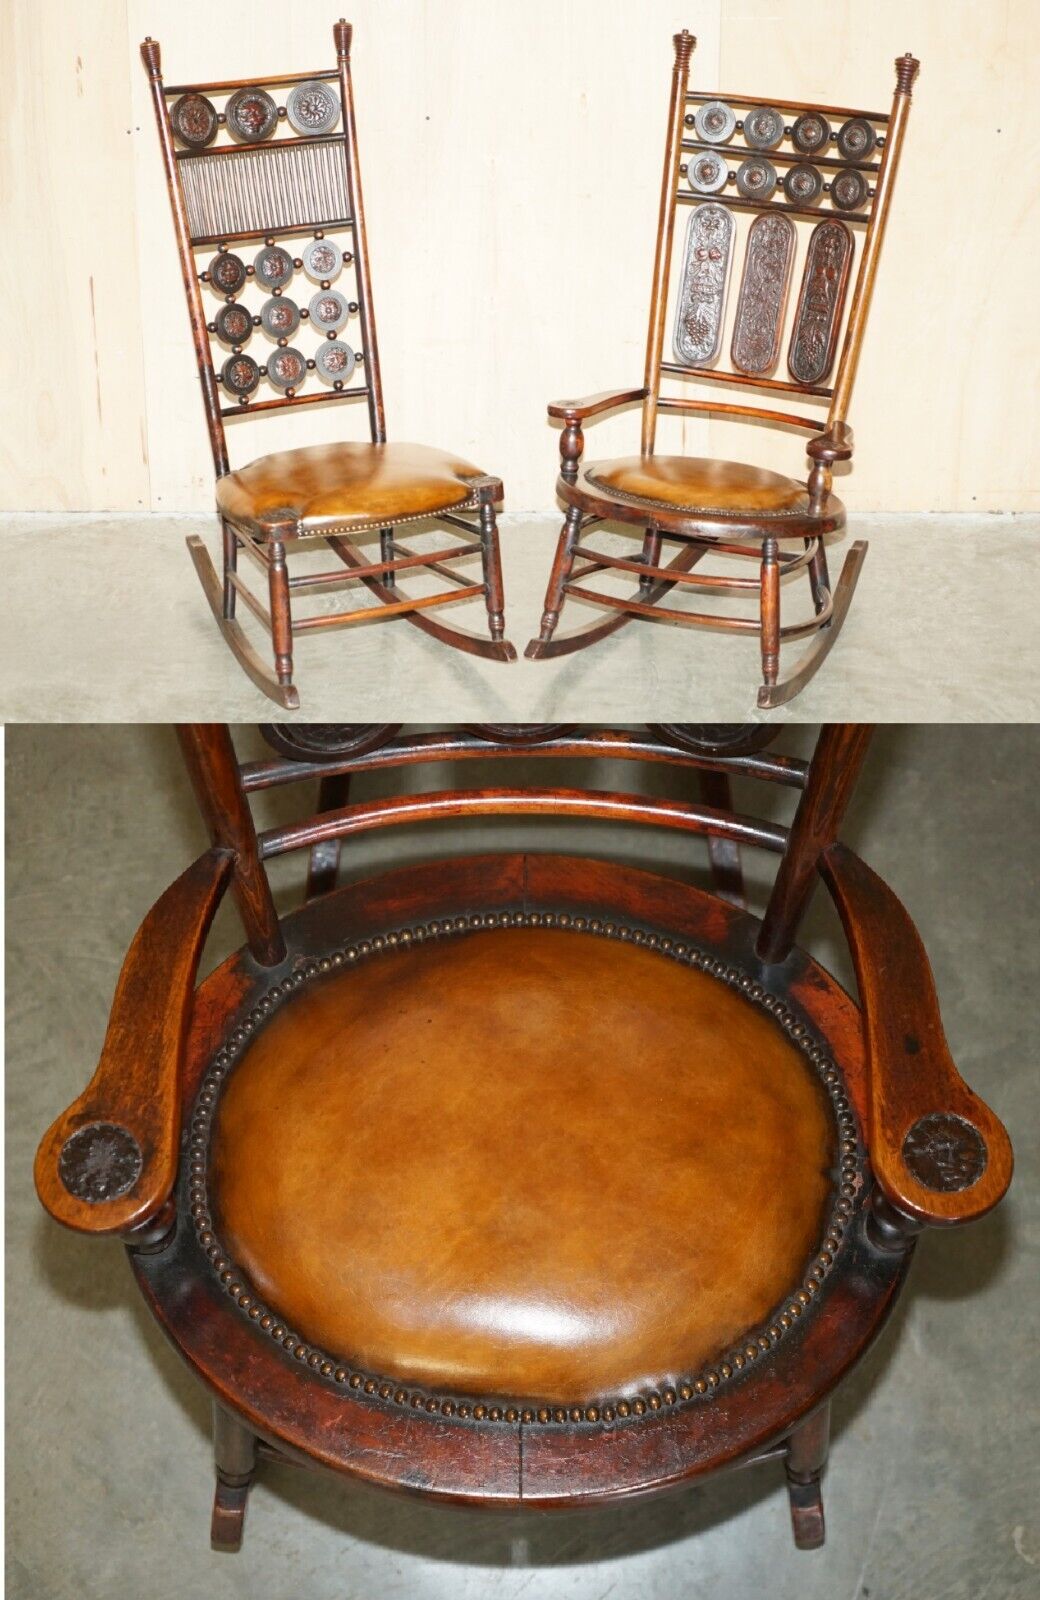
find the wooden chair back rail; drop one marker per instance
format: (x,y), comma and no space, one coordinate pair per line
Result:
(710,375)
(283,80)
(847,311)
(602,744)
(699,96)
(453,803)
(283,188)
(722,408)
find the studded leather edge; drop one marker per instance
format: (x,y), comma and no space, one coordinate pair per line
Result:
(731,512)
(700,1386)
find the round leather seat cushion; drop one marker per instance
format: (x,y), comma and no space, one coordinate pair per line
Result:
(524,1162)
(691,483)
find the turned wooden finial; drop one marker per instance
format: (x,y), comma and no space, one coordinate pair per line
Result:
(342,32)
(150,56)
(685,44)
(907,68)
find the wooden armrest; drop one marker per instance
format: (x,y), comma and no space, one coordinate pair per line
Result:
(593,404)
(835,444)
(938,1153)
(109,1163)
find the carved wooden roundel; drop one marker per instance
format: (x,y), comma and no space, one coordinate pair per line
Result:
(312,108)
(856,139)
(194,121)
(756,178)
(810,133)
(287,368)
(763,128)
(233,323)
(227,272)
(314,741)
(944,1152)
(240,375)
(280,316)
(251,115)
(100,1162)
(707,172)
(715,122)
(850,190)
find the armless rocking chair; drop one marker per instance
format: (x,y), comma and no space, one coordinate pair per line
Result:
(522,1179)
(238,180)
(732,154)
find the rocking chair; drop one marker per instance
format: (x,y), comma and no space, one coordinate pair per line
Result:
(724,507)
(522,1179)
(239,181)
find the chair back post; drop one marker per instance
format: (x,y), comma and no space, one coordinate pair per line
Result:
(209,756)
(685,44)
(150,55)
(342,33)
(907,68)
(840,750)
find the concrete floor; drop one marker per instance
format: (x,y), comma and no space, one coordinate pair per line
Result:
(933,1488)
(106,621)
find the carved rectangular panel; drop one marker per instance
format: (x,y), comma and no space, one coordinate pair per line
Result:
(814,337)
(268,188)
(763,293)
(701,304)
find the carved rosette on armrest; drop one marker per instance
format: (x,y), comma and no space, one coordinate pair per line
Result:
(109,1163)
(939,1154)
(572,413)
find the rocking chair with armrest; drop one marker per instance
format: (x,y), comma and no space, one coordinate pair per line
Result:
(238,180)
(522,1179)
(727,508)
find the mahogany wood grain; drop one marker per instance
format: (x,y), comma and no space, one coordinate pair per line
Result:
(911,1073)
(137,1085)
(209,756)
(839,754)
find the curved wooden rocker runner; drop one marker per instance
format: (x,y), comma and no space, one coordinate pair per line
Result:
(720,507)
(522,1180)
(258,180)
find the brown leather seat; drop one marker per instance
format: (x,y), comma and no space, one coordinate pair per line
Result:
(522,1163)
(697,486)
(345,487)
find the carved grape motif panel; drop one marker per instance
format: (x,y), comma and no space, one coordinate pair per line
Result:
(702,290)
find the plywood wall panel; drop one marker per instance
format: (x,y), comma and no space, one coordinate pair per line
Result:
(74,434)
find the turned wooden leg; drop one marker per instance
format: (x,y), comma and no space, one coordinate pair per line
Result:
(561,569)
(806,1458)
(492,560)
(770,612)
(230,565)
(234,1452)
(651,557)
(386,550)
(819,578)
(281,617)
